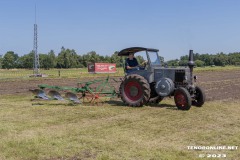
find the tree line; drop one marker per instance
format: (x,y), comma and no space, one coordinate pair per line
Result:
(219,59)
(68,58)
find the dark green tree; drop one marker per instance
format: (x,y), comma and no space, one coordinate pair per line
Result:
(107,59)
(93,57)
(74,63)
(63,59)
(116,59)
(173,63)
(220,59)
(52,57)
(183,62)
(26,61)
(199,63)
(1,61)
(45,61)
(85,60)
(10,60)
(67,59)
(80,61)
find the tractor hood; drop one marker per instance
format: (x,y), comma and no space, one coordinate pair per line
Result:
(127,51)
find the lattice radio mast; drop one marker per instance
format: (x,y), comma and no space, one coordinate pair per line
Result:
(36,64)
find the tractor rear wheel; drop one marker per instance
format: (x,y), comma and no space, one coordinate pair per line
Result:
(199,97)
(182,99)
(134,90)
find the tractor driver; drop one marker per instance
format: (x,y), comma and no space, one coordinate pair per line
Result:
(131,64)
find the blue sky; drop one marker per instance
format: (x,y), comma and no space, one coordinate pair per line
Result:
(105,26)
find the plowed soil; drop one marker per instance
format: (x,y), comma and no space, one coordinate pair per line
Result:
(218,85)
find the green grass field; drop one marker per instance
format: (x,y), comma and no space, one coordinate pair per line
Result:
(82,72)
(53,73)
(56,130)
(61,130)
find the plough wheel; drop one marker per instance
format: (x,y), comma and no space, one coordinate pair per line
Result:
(92,98)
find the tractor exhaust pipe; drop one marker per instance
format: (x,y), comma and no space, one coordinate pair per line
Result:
(191,64)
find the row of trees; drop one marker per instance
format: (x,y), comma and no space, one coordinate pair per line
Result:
(68,58)
(219,59)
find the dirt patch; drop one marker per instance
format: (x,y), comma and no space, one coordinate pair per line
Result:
(221,85)
(23,86)
(218,85)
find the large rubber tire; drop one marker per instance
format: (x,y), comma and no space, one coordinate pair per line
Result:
(134,90)
(199,97)
(182,99)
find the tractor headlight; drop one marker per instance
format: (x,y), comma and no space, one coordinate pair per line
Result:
(195,78)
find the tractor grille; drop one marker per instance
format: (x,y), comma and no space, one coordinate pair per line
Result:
(179,76)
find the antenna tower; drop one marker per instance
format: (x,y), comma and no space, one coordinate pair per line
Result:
(36,64)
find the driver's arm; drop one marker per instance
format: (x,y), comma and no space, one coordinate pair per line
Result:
(144,63)
(128,67)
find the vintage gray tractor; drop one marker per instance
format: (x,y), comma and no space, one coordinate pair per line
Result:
(154,82)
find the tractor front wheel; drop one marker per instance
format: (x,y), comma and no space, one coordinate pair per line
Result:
(199,97)
(135,90)
(182,99)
